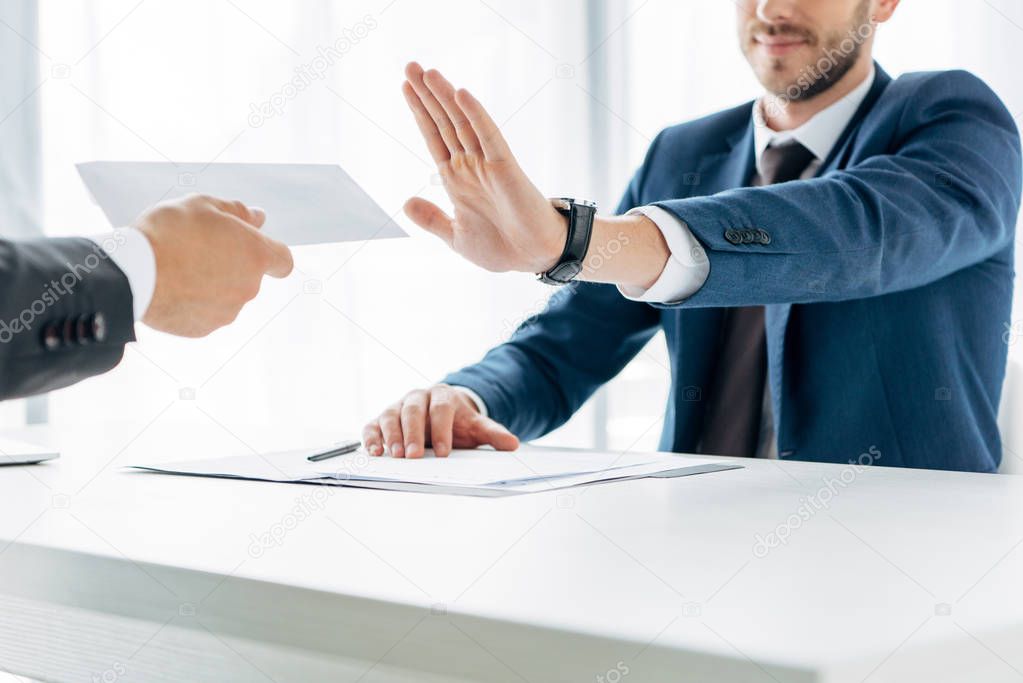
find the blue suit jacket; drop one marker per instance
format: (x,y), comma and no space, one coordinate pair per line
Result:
(887,282)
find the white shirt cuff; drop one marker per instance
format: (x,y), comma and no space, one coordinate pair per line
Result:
(687,267)
(474,397)
(131,251)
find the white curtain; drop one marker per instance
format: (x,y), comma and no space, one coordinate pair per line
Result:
(20,82)
(20,159)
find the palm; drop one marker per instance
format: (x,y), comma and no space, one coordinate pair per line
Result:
(501,222)
(499,216)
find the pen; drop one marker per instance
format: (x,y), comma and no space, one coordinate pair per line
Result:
(341,449)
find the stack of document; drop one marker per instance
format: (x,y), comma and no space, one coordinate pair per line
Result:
(464,472)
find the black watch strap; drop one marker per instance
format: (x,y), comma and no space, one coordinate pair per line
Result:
(580,216)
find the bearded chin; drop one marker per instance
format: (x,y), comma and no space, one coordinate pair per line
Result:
(811,82)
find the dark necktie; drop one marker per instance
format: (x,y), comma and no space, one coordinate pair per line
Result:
(735,401)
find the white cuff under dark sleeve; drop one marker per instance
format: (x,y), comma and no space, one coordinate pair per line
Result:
(480,405)
(131,251)
(687,267)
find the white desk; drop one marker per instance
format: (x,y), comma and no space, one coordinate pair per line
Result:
(907,576)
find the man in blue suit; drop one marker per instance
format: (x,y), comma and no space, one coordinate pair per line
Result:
(832,265)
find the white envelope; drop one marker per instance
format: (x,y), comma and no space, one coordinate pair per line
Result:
(304,203)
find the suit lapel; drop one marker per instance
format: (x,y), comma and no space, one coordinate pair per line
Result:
(732,167)
(842,151)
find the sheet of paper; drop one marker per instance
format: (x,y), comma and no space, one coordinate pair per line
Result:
(287,466)
(305,203)
(476,472)
(13,452)
(488,468)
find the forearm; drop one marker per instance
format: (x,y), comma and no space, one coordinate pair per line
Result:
(882,227)
(629,251)
(538,379)
(517,390)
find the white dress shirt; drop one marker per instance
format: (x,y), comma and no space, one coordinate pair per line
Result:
(131,251)
(687,267)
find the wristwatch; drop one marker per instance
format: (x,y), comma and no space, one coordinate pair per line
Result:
(580,215)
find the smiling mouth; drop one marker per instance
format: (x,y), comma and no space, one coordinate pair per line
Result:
(779,45)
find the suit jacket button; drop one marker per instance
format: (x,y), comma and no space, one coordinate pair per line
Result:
(748,236)
(83,330)
(733,236)
(69,332)
(99,328)
(763,237)
(51,337)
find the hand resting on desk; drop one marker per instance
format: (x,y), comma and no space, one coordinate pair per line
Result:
(439,416)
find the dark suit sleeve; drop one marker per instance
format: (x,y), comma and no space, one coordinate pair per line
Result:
(554,362)
(65,314)
(945,196)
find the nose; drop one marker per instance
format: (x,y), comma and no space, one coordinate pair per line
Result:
(775,11)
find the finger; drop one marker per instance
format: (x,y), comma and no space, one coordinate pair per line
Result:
(442,419)
(373,439)
(445,94)
(428,129)
(254,217)
(390,427)
(495,147)
(413,423)
(414,73)
(281,261)
(430,218)
(486,431)
(258,216)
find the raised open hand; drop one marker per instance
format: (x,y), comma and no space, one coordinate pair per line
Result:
(502,222)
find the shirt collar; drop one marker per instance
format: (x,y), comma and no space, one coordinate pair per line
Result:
(820,133)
